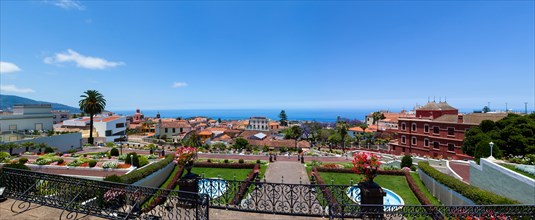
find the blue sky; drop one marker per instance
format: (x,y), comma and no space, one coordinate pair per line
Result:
(270,54)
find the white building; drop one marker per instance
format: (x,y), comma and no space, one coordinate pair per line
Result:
(105,128)
(27,117)
(172,128)
(258,124)
(60,116)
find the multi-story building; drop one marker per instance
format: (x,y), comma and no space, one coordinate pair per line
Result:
(258,124)
(60,115)
(437,130)
(105,128)
(27,117)
(171,128)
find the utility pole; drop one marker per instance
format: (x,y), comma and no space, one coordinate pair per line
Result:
(526,108)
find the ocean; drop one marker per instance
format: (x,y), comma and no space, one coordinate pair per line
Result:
(319,115)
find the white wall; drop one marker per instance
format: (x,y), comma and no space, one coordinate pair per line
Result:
(102,127)
(26,123)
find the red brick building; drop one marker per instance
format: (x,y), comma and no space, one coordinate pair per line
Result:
(437,131)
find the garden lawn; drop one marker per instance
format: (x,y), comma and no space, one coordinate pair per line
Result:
(422,187)
(511,167)
(398,184)
(225,173)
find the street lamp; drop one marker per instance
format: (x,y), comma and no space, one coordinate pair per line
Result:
(491,145)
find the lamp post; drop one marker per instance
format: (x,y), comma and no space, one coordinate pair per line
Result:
(491,145)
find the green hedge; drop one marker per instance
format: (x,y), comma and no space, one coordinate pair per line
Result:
(139,174)
(479,196)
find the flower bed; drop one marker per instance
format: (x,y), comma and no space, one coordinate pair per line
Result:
(139,174)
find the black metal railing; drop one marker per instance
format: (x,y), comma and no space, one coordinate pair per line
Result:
(333,201)
(97,198)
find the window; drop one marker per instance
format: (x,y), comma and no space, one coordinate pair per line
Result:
(413,140)
(451,131)
(119,125)
(174,130)
(451,147)
(426,128)
(181,130)
(403,126)
(165,130)
(436,145)
(426,142)
(413,127)
(108,132)
(12,127)
(436,130)
(402,139)
(38,126)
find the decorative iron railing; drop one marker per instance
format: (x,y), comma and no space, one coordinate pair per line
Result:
(333,201)
(77,196)
(97,198)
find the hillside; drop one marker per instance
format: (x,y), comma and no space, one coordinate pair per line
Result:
(7,102)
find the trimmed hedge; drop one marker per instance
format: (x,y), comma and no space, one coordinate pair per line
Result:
(479,196)
(245,185)
(16,166)
(139,174)
(225,165)
(114,152)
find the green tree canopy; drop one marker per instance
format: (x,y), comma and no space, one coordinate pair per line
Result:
(294,133)
(513,135)
(240,143)
(283,118)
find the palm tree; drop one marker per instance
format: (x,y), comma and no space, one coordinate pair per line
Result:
(364,126)
(11,146)
(27,145)
(92,103)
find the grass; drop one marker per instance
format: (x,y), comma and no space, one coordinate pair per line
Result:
(422,187)
(398,184)
(511,167)
(224,173)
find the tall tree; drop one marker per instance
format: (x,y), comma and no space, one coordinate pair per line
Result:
(485,109)
(11,146)
(364,126)
(377,116)
(283,118)
(341,128)
(92,103)
(295,132)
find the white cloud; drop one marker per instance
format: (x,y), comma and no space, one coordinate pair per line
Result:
(179,84)
(67,4)
(6,67)
(15,89)
(81,60)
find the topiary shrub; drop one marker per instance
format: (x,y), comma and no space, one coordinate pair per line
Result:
(258,161)
(23,160)
(241,161)
(209,160)
(60,161)
(114,152)
(132,158)
(49,150)
(92,163)
(406,161)
(225,161)
(4,156)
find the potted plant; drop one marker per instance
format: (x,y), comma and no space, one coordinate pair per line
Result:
(370,193)
(185,156)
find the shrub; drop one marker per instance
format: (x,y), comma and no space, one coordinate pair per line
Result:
(209,160)
(479,196)
(283,149)
(16,166)
(138,174)
(240,161)
(109,164)
(71,151)
(413,168)
(4,156)
(132,158)
(114,152)
(49,150)
(113,178)
(92,163)
(23,160)
(60,161)
(143,160)
(110,144)
(406,161)
(258,161)
(122,157)
(225,161)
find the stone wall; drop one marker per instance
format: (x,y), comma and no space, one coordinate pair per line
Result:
(156,179)
(62,142)
(444,194)
(502,181)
